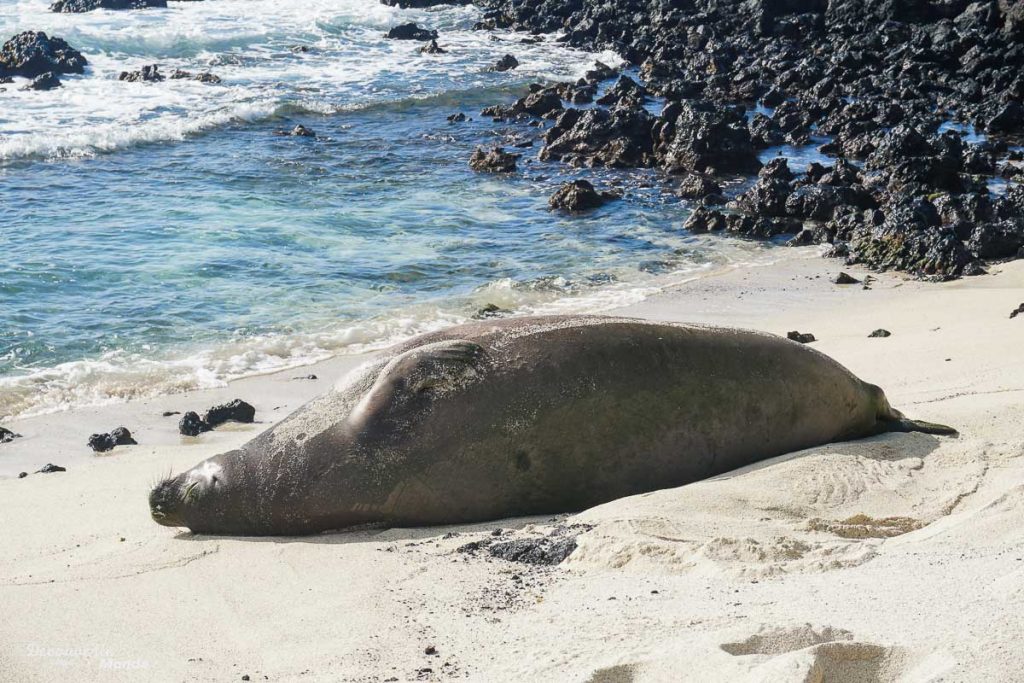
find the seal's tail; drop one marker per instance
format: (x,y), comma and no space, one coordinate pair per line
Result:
(904,424)
(892,420)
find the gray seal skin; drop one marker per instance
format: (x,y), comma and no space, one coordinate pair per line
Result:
(527,416)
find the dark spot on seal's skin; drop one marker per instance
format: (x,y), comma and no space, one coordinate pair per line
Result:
(522,459)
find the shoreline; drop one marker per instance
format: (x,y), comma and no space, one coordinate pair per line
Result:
(332,367)
(284,390)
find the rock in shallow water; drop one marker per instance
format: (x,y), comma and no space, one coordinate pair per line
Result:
(46,81)
(496,160)
(423,4)
(506,63)
(202,77)
(301,131)
(78,6)
(432,48)
(33,53)
(490,311)
(411,31)
(578,195)
(147,74)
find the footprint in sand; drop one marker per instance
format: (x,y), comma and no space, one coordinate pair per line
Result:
(819,655)
(620,673)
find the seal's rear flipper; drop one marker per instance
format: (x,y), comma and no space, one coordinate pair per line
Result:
(904,424)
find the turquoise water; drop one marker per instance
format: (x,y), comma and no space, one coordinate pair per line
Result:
(161,237)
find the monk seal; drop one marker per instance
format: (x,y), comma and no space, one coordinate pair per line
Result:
(527,416)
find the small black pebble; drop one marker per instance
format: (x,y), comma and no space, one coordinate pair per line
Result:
(1018,311)
(430,650)
(168,413)
(880,333)
(846,279)
(245,677)
(22,475)
(802,337)
(47,469)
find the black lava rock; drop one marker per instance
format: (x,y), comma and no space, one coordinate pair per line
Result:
(422,4)
(545,102)
(192,425)
(802,337)
(147,74)
(235,411)
(49,468)
(578,195)
(845,279)
(411,31)
(46,81)
(490,311)
(202,77)
(122,437)
(880,333)
(1018,311)
(22,475)
(101,443)
(707,138)
(301,131)
(33,53)
(506,63)
(90,5)
(496,160)
(910,238)
(432,48)
(704,220)
(996,240)
(6,435)
(619,138)
(625,91)
(457,118)
(698,186)
(541,551)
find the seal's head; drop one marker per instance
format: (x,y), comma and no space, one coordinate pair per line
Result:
(191,497)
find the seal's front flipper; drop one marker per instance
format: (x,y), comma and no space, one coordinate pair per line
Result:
(421,373)
(904,424)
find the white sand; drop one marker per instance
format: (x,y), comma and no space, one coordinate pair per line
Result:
(899,557)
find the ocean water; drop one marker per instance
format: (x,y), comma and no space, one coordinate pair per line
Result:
(159,237)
